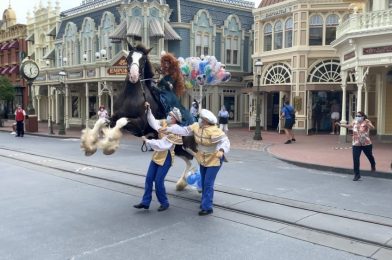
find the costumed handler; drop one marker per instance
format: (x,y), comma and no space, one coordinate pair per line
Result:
(162,158)
(213,144)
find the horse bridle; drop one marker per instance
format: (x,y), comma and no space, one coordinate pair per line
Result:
(142,79)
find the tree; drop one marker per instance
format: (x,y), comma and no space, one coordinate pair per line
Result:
(7,93)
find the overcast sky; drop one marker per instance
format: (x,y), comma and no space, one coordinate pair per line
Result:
(22,6)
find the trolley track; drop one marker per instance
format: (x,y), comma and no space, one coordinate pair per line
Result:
(126,178)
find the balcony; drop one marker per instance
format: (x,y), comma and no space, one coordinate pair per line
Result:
(364,23)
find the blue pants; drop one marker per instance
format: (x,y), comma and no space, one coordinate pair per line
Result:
(157,174)
(208,176)
(367,150)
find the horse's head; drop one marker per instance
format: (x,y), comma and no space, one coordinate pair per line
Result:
(137,61)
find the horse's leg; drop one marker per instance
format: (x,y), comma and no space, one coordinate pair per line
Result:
(181,183)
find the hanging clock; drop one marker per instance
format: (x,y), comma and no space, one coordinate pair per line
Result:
(29,70)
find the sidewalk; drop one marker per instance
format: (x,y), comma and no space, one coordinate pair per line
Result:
(322,152)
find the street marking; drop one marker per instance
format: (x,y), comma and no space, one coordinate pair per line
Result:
(345,195)
(83,169)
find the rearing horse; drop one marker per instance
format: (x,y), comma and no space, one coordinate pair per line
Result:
(129,104)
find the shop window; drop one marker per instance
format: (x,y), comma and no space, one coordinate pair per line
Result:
(330,30)
(325,71)
(278,74)
(278,35)
(268,37)
(75,106)
(232,51)
(154,44)
(316,30)
(288,34)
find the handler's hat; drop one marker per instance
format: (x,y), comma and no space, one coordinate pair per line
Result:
(209,116)
(176,113)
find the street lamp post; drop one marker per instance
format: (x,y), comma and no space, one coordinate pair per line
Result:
(60,89)
(257,136)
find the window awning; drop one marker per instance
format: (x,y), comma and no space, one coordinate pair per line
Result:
(120,33)
(170,33)
(135,28)
(50,55)
(156,28)
(13,69)
(5,70)
(5,46)
(52,32)
(30,38)
(14,44)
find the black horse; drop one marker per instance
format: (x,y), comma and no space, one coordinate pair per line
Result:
(130,104)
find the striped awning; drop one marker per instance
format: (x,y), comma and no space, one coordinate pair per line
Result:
(50,55)
(156,28)
(52,32)
(13,69)
(13,44)
(120,32)
(135,28)
(4,71)
(5,46)
(30,38)
(170,33)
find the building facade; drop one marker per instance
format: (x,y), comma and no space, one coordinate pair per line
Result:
(363,43)
(91,47)
(13,49)
(293,40)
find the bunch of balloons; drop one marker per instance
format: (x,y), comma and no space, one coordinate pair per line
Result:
(203,71)
(194,179)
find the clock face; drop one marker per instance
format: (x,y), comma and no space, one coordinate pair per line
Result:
(30,70)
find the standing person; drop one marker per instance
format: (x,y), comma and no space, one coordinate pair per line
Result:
(361,142)
(20,116)
(213,144)
(288,113)
(335,116)
(317,115)
(223,116)
(195,110)
(162,158)
(103,113)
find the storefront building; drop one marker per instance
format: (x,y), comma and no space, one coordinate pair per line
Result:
(90,46)
(292,38)
(12,50)
(363,43)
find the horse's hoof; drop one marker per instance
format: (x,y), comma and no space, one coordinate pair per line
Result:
(181,184)
(89,152)
(108,151)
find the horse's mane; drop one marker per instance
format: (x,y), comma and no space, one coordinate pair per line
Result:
(175,72)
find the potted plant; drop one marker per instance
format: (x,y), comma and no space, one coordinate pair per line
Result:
(7,93)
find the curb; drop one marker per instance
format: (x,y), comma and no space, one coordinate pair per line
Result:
(44,135)
(376,174)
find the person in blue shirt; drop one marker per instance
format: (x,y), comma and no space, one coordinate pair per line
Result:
(288,113)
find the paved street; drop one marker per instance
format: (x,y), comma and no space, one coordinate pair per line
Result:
(57,215)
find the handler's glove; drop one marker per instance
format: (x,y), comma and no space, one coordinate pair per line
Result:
(219,154)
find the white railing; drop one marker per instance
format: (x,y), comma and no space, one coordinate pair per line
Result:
(365,22)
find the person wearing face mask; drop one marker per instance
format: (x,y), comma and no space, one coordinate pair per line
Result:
(361,142)
(162,158)
(213,144)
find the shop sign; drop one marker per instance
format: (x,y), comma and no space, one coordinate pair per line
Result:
(40,78)
(117,71)
(53,76)
(377,50)
(349,55)
(120,67)
(75,74)
(276,12)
